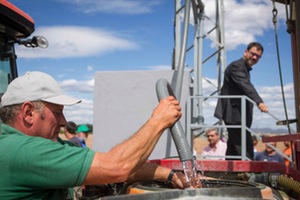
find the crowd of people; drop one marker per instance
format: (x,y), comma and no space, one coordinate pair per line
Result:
(216,149)
(77,135)
(270,153)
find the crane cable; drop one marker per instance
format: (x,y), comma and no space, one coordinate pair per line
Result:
(274,11)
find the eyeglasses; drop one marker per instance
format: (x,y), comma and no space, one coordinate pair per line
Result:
(255,54)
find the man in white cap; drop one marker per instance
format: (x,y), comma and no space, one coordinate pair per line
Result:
(37,164)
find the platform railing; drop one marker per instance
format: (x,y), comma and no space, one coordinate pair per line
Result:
(198,127)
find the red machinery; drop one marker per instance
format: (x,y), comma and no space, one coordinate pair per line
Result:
(16,26)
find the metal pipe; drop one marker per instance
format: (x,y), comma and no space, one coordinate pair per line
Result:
(178,73)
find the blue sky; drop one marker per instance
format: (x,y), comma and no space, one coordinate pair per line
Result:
(86,36)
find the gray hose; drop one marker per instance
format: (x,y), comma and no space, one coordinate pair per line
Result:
(163,90)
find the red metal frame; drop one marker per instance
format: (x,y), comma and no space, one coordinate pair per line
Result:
(234,166)
(17,23)
(16,9)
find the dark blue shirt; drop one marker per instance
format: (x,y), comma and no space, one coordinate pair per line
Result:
(263,156)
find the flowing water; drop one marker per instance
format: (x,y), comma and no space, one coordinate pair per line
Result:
(191,175)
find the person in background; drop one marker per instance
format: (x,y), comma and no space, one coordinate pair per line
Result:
(269,154)
(237,83)
(216,147)
(288,152)
(70,133)
(255,141)
(83,134)
(40,165)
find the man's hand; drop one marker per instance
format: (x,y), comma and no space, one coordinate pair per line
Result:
(263,108)
(179,180)
(167,112)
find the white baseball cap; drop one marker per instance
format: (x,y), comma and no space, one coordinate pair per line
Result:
(34,86)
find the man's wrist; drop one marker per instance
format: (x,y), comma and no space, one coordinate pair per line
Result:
(170,177)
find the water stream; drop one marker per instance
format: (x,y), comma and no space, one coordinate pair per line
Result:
(190,169)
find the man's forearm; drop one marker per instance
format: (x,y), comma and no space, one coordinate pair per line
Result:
(131,154)
(150,171)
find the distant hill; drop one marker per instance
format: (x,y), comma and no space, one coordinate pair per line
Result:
(269,130)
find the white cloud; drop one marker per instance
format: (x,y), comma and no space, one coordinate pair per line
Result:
(115,6)
(90,68)
(241,24)
(159,67)
(85,86)
(273,98)
(244,20)
(76,41)
(80,113)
